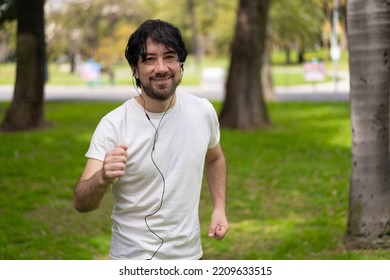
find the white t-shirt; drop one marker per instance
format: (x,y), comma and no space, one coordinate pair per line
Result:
(185,133)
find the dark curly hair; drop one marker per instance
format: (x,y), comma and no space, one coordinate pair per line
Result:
(159,31)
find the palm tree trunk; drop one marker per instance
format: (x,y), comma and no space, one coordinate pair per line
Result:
(369,49)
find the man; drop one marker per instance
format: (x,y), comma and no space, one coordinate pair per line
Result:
(152,150)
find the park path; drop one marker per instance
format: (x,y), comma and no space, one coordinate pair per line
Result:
(313,92)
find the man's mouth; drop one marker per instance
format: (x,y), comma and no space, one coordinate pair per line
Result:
(161,79)
(162,82)
(164,77)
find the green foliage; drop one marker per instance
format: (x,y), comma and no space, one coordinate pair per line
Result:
(296,22)
(214,22)
(97,30)
(7,11)
(101,27)
(287,188)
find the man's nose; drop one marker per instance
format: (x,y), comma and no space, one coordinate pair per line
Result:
(161,66)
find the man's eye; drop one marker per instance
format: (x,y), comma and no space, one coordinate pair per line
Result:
(171,58)
(150,59)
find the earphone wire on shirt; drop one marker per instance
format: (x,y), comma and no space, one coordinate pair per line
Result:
(158,169)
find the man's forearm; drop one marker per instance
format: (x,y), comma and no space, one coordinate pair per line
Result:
(89,193)
(216,178)
(215,170)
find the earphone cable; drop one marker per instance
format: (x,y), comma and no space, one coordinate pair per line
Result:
(158,169)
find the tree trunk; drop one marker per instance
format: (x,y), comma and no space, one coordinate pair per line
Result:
(244,106)
(195,37)
(288,54)
(72,58)
(266,72)
(369,64)
(301,54)
(26,110)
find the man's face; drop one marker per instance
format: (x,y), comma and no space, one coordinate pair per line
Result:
(159,71)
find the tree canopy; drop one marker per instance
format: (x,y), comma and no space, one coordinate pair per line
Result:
(101,26)
(7,10)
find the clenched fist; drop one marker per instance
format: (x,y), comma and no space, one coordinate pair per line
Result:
(114,165)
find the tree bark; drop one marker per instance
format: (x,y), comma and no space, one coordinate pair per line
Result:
(26,110)
(301,54)
(266,71)
(195,37)
(369,49)
(244,106)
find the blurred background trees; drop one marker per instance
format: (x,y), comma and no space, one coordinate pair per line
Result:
(84,28)
(90,29)
(80,30)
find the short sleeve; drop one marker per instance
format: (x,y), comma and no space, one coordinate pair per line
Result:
(104,139)
(214,128)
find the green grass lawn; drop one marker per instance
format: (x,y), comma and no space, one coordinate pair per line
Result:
(287,187)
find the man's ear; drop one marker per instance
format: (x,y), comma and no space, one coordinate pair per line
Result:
(135,74)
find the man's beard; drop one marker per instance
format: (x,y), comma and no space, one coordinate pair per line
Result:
(161,94)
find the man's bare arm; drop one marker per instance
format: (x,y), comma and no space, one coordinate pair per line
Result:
(215,169)
(97,177)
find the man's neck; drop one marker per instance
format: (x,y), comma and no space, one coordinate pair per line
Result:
(154,105)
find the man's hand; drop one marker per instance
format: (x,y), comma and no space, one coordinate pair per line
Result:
(114,165)
(219,225)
